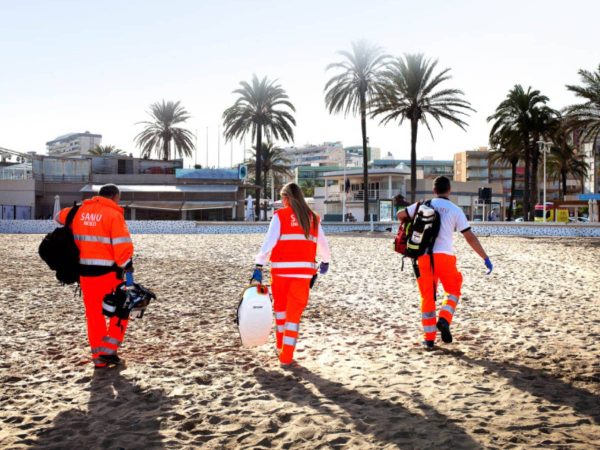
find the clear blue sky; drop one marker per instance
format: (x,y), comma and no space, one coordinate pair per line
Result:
(77,65)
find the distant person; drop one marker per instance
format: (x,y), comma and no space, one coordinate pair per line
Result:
(492,216)
(294,239)
(444,263)
(106,250)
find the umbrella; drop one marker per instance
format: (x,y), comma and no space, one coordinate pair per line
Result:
(56,207)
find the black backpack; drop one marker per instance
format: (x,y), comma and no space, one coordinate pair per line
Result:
(59,251)
(423,230)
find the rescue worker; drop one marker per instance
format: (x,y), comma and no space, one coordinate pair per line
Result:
(444,263)
(106,252)
(294,239)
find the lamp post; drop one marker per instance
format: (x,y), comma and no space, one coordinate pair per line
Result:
(544,148)
(343,190)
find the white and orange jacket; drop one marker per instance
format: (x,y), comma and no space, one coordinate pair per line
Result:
(101,235)
(291,253)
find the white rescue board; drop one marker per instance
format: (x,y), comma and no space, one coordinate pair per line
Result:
(255,316)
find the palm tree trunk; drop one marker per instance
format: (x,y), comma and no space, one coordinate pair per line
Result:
(414,124)
(563,176)
(166,152)
(526,187)
(513,182)
(363,126)
(258,168)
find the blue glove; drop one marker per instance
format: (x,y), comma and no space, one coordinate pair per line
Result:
(257,274)
(323,268)
(489,265)
(128,279)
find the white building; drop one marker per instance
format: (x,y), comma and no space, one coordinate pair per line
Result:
(384,184)
(73,144)
(326,154)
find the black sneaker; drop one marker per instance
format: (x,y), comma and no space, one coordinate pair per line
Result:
(429,345)
(444,328)
(110,360)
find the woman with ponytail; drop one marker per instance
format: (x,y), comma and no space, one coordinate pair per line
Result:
(294,239)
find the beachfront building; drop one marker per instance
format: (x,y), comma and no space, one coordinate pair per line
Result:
(354,155)
(427,168)
(384,184)
(592,157)
(73,144)
(151,189)
(326,154)
(472,165)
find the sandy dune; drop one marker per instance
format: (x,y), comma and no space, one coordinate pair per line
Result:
(524,370)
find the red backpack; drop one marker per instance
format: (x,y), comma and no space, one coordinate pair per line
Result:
(401,239)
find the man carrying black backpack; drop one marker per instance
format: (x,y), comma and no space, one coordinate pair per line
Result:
(438,264)
(105,256)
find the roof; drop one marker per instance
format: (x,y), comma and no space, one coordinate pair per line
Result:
(351,172)
(165,188)
(179,206)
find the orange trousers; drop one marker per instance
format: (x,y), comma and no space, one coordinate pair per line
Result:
(103,340)
(290,297)
(444,270)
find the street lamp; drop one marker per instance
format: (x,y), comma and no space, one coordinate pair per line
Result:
(344,190)
(544,148)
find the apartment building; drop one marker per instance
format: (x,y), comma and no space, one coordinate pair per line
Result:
(73,144)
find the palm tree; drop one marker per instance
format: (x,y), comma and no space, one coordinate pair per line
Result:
(274,162)
(515,114)
(411,91)
(103,150)
(263,106)
(509,151)
(159,133)
(586,116)
(351,90)
(565,158)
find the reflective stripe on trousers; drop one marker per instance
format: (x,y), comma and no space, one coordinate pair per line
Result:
(103,351)
(288,340)
(112,341)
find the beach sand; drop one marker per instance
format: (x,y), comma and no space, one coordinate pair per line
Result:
(523,372)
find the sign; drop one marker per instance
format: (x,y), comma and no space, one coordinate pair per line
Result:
(589,197)
(562,215)
(386,209)
(242,172)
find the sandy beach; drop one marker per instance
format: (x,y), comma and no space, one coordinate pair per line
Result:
(523,372)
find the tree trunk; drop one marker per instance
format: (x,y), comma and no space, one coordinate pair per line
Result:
(513,182)
(414,124)
(363,126)
(563,175)
(258,180)
(166,149)
(526,187)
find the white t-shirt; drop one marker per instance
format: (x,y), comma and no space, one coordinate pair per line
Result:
(453,219)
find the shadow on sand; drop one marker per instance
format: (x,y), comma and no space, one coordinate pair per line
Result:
(120,415)
(539,384)
(387,422)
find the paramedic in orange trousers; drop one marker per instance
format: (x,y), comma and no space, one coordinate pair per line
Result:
(106,250)
(444,263)
(294,239)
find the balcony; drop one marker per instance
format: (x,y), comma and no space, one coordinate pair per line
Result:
(353,196)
